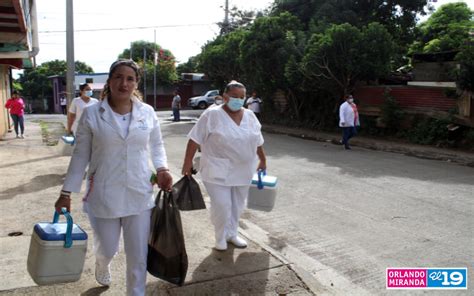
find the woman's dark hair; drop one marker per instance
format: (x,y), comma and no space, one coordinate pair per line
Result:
(122,62)
(14,92)
(83,86)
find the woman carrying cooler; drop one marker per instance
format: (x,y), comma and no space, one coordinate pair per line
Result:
(231,146)
(115,138)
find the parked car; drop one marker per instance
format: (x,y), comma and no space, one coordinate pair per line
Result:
(202,102)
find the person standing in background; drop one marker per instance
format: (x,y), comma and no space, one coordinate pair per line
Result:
(348,120)
(63,103)
(77,107)
(17,111)
(254,103)
(176,106)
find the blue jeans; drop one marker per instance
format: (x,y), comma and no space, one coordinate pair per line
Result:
(176,114)
(18,120)
(347,133)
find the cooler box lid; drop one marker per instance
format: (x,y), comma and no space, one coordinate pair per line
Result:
(268,181)
(57,231)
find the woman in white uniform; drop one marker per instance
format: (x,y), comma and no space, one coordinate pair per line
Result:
(78,105)
(115,138)
(231,144)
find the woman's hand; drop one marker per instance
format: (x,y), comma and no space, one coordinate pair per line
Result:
(63,202)
(165,181)
(187,168)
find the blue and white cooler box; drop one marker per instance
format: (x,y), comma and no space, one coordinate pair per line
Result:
(262,192)
(57,251)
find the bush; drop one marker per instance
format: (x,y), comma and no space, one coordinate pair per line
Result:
(391,113)
(429,131)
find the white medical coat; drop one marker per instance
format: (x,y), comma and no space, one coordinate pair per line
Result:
(347,115)
(119,173)
(229,151)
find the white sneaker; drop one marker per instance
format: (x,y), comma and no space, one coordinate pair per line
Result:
(102,274)
(237,242)
(17,136)
(221,246)
(22,136)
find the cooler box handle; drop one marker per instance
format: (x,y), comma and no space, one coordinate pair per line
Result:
(259,175)
(68,239)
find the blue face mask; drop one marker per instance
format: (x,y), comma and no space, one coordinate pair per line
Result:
(235,104)
(89,93)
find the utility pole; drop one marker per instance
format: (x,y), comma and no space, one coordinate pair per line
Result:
(226,18)
(71,69)
(155,61)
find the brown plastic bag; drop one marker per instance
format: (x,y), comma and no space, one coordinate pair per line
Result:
(188,194)
(167,257)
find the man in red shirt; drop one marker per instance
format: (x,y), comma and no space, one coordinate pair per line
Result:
(17,107)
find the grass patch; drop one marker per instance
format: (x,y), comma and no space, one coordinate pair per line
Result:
(51,132)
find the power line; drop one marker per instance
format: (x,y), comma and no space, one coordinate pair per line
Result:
(129,28)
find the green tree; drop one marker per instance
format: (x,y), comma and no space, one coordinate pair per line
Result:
(238,19)
(267,48)
(191,66)
(343,55)
(35,82)
(220,58)
(398,16)
(466,72)
(447,29)
(166,69)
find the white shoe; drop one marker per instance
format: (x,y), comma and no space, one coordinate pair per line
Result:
(22,136)
(102,274)
(238,242)
(221,246)
(17,136)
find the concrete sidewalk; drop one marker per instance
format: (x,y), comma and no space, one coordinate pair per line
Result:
(32,175)
(421,151)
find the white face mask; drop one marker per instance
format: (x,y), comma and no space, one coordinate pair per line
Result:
(351,101)
(218,102)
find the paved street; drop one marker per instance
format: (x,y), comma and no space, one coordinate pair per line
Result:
(345,216)
(342,217)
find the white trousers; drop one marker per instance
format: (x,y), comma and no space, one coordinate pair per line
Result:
(227,204)
(136,230)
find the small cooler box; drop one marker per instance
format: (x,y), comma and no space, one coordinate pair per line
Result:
(57,251)
(262,192)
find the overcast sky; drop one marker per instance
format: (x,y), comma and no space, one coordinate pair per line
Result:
(182,26)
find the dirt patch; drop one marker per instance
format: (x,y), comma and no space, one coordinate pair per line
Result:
(51,132)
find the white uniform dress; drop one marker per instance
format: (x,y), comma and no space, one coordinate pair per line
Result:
(77,107)
(228,162)
(119,194)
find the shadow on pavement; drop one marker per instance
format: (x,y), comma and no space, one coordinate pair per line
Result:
(95,291)
(28,161)
(36,184)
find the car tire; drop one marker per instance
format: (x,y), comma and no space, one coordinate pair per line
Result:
(202,105)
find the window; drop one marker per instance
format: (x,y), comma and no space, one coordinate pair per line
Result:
(89,80)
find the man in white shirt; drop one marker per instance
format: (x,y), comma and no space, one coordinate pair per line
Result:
(254,104)
(176,106)
(77,107)
(348,120)
(63,103)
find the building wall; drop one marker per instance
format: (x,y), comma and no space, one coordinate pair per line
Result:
(4,96)
(420,98)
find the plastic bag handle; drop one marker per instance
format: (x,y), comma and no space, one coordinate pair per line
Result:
(259,175)
(68,239)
